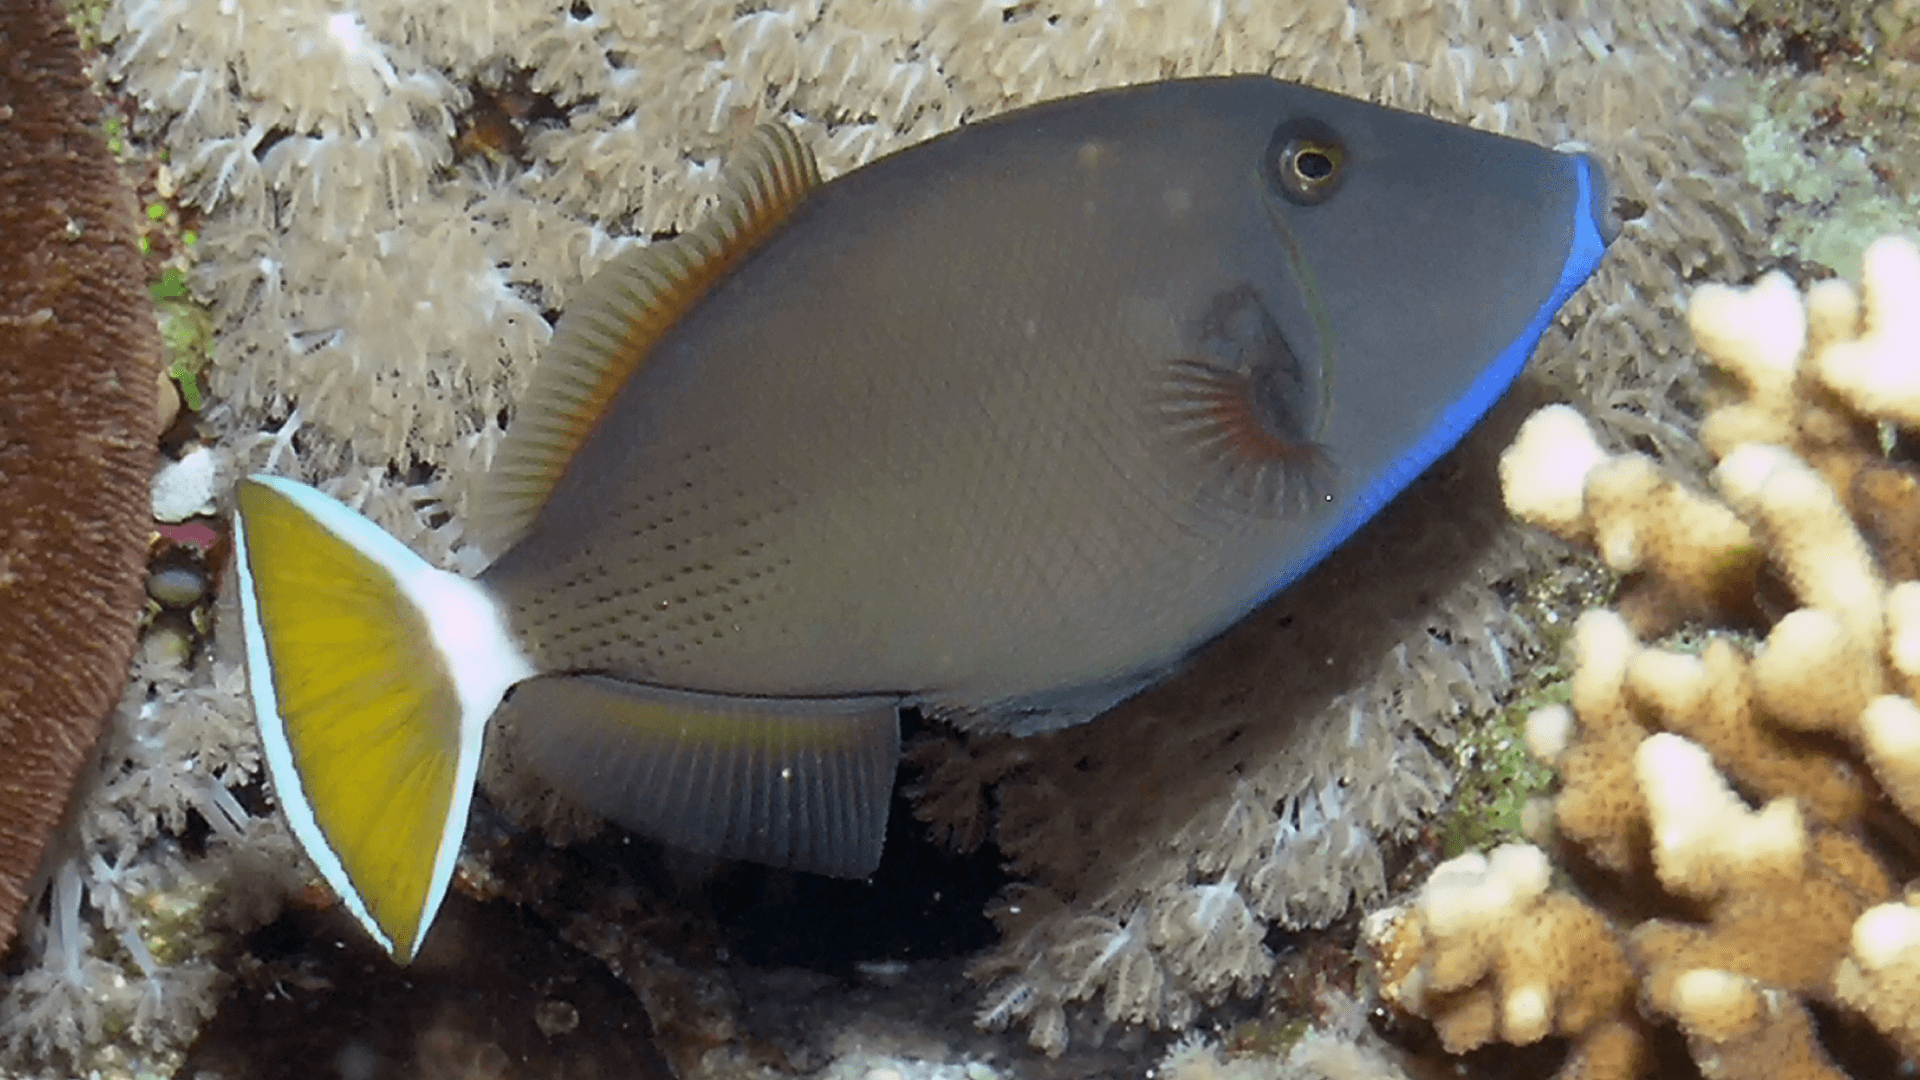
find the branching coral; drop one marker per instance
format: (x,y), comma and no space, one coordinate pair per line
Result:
(1880,978)
(1489,952)
(1744,916)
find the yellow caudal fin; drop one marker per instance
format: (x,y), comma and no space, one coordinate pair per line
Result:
(373,675)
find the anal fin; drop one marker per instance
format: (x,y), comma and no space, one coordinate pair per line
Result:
(797,783)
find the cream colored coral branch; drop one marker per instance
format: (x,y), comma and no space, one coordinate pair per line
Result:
(1489,953)
(1880,979)
(1879,371)
(1734,781)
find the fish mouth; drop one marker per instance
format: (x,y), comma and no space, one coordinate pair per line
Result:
(1600,208)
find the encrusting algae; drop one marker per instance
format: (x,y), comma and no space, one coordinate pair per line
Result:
(1739,815)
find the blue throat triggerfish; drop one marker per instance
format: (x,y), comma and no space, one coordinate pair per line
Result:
(1002,426)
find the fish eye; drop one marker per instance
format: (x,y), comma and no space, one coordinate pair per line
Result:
(1307,161)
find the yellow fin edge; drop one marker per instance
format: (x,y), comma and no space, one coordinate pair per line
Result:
(609,330)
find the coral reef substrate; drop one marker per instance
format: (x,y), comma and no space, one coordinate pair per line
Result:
(1734,815)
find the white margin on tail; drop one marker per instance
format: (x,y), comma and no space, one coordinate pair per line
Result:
(469,631)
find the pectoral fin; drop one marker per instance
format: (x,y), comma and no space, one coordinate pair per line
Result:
(797,783)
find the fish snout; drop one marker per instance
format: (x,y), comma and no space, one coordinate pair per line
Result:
(1606,218)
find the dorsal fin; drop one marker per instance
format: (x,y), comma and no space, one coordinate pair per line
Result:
(611,327)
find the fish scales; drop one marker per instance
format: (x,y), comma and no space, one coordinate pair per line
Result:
(930,398)
(1003,426)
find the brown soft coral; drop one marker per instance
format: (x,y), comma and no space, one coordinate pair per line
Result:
(78,358)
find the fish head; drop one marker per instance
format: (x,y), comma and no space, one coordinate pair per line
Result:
(1382,279)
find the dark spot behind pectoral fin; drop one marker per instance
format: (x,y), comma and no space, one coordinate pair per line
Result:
(796,783)
(1242,412)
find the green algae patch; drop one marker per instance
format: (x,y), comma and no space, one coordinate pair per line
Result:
(1498,777)
(86,18)
(1833,133)
(186,334)
(1495,775)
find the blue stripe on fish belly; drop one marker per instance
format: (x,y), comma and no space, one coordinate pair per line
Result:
(1587,247)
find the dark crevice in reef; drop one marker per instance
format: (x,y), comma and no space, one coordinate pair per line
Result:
(924,903)
(497,995)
